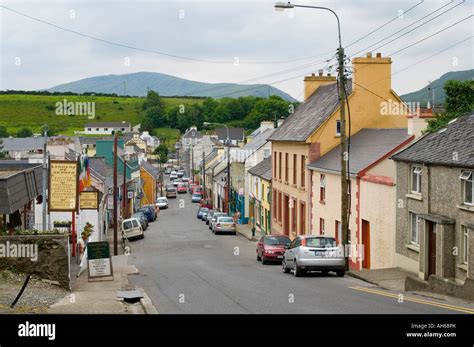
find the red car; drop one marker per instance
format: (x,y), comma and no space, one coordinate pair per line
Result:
(197,189)
(181,188)
(272,248)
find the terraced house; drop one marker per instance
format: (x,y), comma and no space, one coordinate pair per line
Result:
(314,129)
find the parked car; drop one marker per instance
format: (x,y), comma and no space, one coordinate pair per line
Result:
(181,188)
(167,171)
(314,253)
(196,197)
(190,187)
(201,211)
(131,228)
(171,192)
(162,202)
(209,215)
(185,178)
(224,224)
(272,248)
(173,175)
(149,211)
(214,218)
(180,173)
(142,218)
(206,203)
(197,189)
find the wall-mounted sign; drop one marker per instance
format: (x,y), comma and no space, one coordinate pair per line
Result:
(110,202)
(99,261)
(63,185)
(130,194)
(89,200)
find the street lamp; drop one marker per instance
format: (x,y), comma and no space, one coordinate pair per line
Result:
(281,6)
(228,163)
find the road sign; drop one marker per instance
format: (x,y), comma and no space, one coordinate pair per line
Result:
(99,261)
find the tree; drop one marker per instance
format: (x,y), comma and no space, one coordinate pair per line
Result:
(24,132)
(459,100)
(162,152)
(267,109)
(3,132)
(153,99)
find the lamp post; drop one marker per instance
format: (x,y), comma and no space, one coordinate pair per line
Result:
(228,163)
(281,6)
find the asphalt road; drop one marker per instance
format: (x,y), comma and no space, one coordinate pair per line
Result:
(184,268)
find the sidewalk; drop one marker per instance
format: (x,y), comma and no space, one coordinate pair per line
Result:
(392,278)
(246,231)
(98,297)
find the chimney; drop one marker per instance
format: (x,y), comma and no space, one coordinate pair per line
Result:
(266,125)
(280,122)
(313,82)
(373,73)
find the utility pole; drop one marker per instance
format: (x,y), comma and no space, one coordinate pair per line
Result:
(228,172)
(45,175)
(115,197)
(192,161)
(204,173)
(125,192)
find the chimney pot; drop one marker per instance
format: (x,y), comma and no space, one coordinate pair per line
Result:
(320,72)
(369,55)
(313,74)
(329,74)
(379,55)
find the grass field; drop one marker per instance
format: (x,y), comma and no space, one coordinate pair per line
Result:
(32,111)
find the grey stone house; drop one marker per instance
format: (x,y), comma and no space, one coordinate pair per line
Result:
(435,206)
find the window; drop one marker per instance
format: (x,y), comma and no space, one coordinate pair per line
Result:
(322,226)
(338,128)
(416,179)
(266,153)
(279,165)
(414,229)
(467,187)
(279,206)
(123,129)
(274,204)
(89,129)
(322,188)
(302,218)
(303,171)
(465,244)
(97,129)
(294,210)
(295,165)
(286,166)
(274,158)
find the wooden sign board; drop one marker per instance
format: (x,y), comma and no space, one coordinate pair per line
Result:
(63,185)
(98,259)
(89,200)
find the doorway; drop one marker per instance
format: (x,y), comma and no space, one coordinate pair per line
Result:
(286,215)
(366,243)
(431,248)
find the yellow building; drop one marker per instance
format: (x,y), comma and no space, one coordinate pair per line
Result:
(149,178)
(259,196)
(314,129)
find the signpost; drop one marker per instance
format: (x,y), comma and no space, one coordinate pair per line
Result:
(63,186)
(99,260)
(89,200)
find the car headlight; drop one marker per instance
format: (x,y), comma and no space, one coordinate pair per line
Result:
(269,251)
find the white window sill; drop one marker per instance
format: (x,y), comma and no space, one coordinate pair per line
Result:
(466,208)
(413,247)
(462,267)
(414,196)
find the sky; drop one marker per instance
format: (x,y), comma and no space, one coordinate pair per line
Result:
(226,41)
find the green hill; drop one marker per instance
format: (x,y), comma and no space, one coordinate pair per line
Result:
(137,84)
(32,111)
(424,94)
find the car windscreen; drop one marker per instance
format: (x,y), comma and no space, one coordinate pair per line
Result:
(277,240)
(321,242)
(129,224)
(225,220)
(203,209)
(161,200)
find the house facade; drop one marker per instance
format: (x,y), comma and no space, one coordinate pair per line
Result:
(259,196)
(149,179)
(106,128)
(314,129)
(435,204)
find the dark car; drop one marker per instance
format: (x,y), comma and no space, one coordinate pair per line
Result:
(201,212)
(142,218)
(149,211)
(272,248)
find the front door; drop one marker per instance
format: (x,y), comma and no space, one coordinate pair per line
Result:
(366,243)
(286,215)
(431,248)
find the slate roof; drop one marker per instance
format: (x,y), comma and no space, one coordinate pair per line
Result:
(234,134)
(190,132)
(439,148)
(263,169)
(310,115)
(150,168)
(367,146)
(21,144)
(258,141)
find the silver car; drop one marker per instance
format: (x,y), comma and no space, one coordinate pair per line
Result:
(224,224)
(314,253)
(214,218)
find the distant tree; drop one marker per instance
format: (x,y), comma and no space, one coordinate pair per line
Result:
(153,99)
(24,132)
(162,151)
(147,124)
(157,115)
(459,100)
(3,132)
(208,109)
(267,109)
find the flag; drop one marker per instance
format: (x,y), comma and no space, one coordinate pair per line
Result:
(85,172)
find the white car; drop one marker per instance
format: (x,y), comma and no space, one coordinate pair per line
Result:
(132,228)
(173,175)
(162,203)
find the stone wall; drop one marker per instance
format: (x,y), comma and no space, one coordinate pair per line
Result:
(45,256)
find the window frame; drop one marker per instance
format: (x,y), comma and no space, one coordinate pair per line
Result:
(464,244)
(417,222)
(322,188)
(464,183)
(338,127)
(419,174)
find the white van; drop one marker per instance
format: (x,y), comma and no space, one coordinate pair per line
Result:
(132,228)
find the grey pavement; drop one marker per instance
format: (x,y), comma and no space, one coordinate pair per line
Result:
(184,268)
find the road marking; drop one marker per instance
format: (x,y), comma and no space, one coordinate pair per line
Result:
(420,301)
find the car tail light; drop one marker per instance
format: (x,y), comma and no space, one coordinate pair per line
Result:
(218,225)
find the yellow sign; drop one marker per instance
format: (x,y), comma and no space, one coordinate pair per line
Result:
(63,185)
(89,200)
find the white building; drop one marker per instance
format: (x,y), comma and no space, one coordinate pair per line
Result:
(106,128)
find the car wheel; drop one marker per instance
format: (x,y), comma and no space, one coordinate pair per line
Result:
(284,268)
(340,273)
(297,272)
(258,257)
(264,262)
